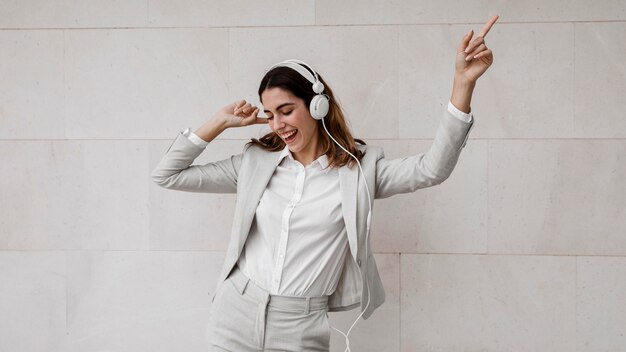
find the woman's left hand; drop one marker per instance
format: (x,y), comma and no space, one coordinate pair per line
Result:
(473,57)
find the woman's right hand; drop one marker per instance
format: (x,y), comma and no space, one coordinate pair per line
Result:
(239,114)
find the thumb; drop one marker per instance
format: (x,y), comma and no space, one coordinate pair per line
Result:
(465,42)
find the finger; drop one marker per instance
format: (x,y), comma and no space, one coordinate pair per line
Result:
(253,118)
(242,108)
(239,104)
(249,109)
(483,32)
(487,52)
(480,48)
(474,43)
(257,119)
(465,41)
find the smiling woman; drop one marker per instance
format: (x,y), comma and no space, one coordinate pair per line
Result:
(293,123)
(300,243)
(282,85)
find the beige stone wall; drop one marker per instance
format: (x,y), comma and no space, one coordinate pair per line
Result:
(523,248)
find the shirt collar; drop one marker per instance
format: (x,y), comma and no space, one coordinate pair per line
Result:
(322,160)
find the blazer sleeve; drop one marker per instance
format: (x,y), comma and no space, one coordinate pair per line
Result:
(175,171)
(427,169)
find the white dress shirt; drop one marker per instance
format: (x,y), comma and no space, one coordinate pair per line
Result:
(297,242)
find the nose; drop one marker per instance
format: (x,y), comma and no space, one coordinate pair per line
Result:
(277,122)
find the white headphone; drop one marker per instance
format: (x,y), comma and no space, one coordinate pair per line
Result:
(320,103)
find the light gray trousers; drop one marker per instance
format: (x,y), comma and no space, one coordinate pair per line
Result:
(245,317)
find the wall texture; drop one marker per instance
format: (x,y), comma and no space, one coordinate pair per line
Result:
(523,248)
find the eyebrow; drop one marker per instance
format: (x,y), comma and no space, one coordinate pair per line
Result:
(279,106)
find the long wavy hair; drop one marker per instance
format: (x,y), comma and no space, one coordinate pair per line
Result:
(290,80)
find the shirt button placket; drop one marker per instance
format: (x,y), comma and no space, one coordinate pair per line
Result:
(284,234)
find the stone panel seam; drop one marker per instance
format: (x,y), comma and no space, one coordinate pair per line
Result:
(313,25)
(576,304)
(400,300)
(488,222)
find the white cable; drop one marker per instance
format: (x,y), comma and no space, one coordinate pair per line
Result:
(368,221)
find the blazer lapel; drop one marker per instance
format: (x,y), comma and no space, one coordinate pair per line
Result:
(348,180)
(264,169)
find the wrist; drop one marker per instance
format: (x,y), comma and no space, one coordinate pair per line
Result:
(211,129)
(461,96)
(218,123)
(462,83)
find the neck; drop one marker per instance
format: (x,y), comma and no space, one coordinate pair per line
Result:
(305,157)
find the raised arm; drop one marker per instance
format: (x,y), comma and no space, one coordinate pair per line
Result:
(175,171)
(237,114)
(427,169)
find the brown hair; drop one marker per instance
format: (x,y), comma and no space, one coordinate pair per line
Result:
(290,80)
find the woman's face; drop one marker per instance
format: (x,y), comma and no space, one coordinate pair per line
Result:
(290,119)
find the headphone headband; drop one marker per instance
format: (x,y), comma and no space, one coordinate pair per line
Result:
(320,103)
(297,66)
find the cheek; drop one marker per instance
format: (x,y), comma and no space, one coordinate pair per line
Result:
(306,123)
(311,127)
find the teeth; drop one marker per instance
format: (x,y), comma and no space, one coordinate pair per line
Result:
(289,134)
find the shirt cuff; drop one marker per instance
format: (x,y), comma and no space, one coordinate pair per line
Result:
(460,114)
(195,139)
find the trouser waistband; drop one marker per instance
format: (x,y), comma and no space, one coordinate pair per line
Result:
(294,303)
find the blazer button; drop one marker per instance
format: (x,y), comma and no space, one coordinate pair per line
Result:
(358,261)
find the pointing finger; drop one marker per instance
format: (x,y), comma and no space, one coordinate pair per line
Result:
(483,32)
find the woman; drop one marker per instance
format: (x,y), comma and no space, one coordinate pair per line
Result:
(300,240)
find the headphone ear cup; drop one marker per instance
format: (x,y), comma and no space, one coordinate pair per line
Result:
(319,107)
(318,87)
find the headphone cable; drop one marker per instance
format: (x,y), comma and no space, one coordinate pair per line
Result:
(368,223)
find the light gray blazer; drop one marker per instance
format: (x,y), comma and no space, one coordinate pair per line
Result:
(248,173)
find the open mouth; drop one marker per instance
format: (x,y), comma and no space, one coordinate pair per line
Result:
(289,136)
